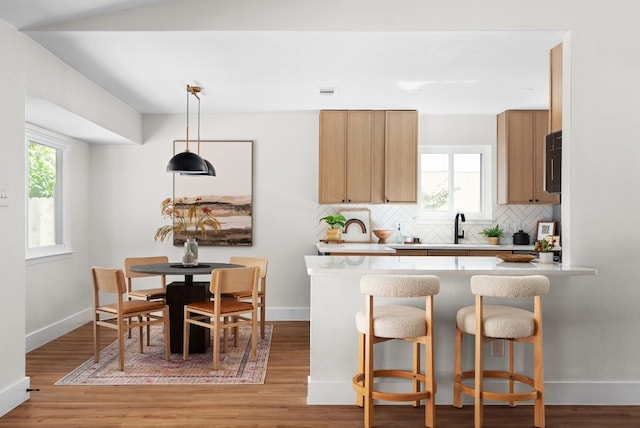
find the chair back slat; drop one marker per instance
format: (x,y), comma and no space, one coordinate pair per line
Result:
(132,261)
(234,280)
(108,280)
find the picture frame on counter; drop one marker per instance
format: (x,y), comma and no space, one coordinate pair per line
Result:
(545,228)
(357,226)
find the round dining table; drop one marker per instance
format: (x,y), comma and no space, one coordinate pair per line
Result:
(180,293)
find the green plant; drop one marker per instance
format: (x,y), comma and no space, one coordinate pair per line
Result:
(188,218)
(334,220)
(492,232)
(545,245)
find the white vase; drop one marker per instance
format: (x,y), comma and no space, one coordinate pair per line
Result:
(545,257)
(190,257)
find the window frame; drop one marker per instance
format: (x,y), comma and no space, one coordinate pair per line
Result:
(44,137)
(486,175)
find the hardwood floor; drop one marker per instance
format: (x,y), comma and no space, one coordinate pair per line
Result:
(279,402)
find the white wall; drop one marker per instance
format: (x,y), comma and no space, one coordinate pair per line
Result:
(130,182)
(591,319)
(30,71)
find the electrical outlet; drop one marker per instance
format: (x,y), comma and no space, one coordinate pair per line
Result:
(4,196)
(497,348)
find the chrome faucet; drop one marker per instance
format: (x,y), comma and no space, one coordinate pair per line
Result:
(456,235)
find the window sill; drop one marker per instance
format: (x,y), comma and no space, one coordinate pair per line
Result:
(48,256)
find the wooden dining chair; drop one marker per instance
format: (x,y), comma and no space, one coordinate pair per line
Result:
(158,293)
(149,294)
(220,314)
(123,315)
(262,286)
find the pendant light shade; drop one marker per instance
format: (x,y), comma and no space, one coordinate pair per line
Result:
(189,163)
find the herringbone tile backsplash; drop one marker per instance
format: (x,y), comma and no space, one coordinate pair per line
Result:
(388,217)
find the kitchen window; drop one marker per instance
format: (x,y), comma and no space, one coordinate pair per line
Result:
(455,179)
(45,187)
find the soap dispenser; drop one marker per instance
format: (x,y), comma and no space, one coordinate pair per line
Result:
(399,235)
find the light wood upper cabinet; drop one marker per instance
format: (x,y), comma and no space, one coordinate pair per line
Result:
(521,138)
(401,156)
(353,156)
(555,89)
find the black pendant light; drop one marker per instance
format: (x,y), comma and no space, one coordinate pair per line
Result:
(189,163)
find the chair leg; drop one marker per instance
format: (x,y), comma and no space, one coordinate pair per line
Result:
(140,335)
(167,339)
(478,403)
(262,317)
(538,381)
(96,340)
(368,381)
(216,344)
(457,370)
(416,370)
(185,335)
(360,397)
(121,345)
(430,385)
(511,371)
(254,337)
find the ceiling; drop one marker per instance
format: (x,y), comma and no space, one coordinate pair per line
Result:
(284,71)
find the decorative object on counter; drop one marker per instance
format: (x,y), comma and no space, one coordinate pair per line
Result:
(189,219)
(521,238)
(357,226)
(544,247)
(190,257)
(229,196)
(189,163)
(516,258)
(493,234)
(335,222)
(545,228)
(382,235)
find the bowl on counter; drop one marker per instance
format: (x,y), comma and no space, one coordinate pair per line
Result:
(382,235)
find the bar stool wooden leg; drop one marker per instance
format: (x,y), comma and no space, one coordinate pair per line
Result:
(457,370)
(511,371)
(478,365)
(361,352)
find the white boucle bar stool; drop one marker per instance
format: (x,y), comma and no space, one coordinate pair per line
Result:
(489,322)
(378,324)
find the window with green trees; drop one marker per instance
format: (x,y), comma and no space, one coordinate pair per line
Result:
(45,219)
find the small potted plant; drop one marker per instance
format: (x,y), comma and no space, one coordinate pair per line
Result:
(335,222)
(493,234)
(544,248)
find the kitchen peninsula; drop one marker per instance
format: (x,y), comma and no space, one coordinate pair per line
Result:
(335,299)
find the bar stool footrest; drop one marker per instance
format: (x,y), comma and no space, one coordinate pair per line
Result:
(358,386)
(498,396)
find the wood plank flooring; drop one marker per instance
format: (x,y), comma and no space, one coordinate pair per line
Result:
(279,402)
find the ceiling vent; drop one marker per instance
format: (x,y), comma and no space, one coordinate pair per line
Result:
(327,91)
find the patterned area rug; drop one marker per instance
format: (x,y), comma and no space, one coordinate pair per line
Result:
(151,368)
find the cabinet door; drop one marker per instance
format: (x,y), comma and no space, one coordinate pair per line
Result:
(515,157)
(555,86)
(401,156)
(332,167)
(360,128)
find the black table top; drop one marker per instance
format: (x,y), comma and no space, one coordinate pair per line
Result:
(176,268)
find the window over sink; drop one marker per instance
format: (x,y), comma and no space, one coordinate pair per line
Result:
(454,179)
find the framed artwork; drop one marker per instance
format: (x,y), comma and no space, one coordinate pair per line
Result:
(357,227)
(226,197)
(545,228)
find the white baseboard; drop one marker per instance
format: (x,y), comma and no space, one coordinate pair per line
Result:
(556,393)
(14,395)
(47,334)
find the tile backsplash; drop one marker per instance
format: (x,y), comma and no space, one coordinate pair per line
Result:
(388,217)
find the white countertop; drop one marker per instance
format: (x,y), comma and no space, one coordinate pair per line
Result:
(390,248)
(358,265)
